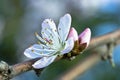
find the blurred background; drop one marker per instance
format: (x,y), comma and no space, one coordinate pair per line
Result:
(20,19)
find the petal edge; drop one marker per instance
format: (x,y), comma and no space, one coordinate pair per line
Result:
(44,62)
(64,26)
(69,46)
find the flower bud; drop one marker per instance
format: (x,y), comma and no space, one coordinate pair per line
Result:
(84,37)
(73,33)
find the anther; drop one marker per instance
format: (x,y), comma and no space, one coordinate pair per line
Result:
(36,33)
(41,53)
(32,50)
(46,21)
(43,47)
(55,30)
(59,28)
(42,32)
(38,42)
(45,28)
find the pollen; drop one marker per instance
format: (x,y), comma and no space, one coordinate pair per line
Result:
(32,50)
(45,28)
(59,28)
(42,32)
(46,21)
(36,33)
(38,42)
(43,47)
(51,36)
(55,30)
(50,42)
(41,53)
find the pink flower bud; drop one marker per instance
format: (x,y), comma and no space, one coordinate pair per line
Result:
(73,34)
(84,37)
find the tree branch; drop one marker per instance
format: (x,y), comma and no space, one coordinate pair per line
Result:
(80,67)
(95,42)
(22,67)
(107,38)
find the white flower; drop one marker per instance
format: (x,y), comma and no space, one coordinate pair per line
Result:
(52,43)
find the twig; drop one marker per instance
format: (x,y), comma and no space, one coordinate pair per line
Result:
(107,38)
(22,67)
(80,67)
(95,42)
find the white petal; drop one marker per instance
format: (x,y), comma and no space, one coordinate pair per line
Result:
(49,27)
(69,44)
(38,51)
(48,23)
(41,47)
(49,32)
(64,26)
(43,62)
(29,54)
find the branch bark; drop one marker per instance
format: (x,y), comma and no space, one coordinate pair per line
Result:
(107,38)
(81,67)
(95,42)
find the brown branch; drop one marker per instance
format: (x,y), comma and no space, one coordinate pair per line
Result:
(22,67)
(81,67)
(107,38)
(95,42)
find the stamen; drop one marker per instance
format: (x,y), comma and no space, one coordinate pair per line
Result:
(46,21)
(45,28)
(41,53)
(32,50)
(42,32)
(50,42)
(59,28)
(36,33)
(51,36)
(46,39)
(43,47)
(38,42)
(30,46)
